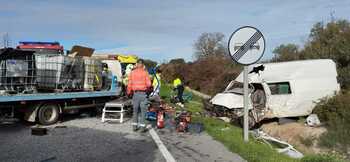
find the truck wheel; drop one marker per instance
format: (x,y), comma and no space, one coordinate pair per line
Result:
(48,114)
(97,111)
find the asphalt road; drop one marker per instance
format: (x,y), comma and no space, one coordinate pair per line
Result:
(87,139)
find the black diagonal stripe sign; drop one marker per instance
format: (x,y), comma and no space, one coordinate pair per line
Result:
(247,46)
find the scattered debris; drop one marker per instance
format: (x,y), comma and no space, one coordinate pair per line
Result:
(39,131)
(49,159)
(295,133)
(312,120)
(283,147)
(225,119)
(183,119)
(195,128)
(81,51)
(60,126)
(162,116)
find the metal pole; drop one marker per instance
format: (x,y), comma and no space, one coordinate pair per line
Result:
(245,89)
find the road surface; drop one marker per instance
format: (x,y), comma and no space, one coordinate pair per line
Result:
(87,139)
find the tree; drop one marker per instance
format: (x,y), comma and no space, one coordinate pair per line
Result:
(331,41)
(209,44)
(176,68)
(286,52)
(326,41)
(150,63)
(177,61)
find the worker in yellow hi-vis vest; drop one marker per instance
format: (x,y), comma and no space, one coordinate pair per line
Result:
(178,86)
(156,83)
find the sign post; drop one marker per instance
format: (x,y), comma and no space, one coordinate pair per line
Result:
(245,104)
(246,46)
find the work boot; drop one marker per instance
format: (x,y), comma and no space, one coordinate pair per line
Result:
(134,128)
(180,104)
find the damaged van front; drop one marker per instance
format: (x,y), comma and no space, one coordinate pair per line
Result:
(277,90)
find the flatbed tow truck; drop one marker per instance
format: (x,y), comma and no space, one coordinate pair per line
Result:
(46,108)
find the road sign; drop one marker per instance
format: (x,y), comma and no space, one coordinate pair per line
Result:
(246,45)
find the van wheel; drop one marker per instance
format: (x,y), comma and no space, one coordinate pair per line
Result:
(48,114)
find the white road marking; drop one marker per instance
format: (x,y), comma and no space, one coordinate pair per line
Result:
(168,157)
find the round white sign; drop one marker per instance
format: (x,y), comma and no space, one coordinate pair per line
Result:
(246,45)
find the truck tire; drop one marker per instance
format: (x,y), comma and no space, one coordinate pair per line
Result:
(48,114)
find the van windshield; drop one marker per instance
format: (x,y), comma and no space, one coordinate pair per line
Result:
(235,87)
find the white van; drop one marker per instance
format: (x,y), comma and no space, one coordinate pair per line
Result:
(277,90)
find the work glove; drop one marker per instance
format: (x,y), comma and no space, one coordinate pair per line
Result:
(129,94)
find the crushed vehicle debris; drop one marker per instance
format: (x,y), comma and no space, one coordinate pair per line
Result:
(277,90)
(312,120)
(280,146)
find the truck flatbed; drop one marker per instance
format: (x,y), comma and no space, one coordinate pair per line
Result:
(57,96)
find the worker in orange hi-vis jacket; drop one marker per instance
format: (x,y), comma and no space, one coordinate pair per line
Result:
(139,85)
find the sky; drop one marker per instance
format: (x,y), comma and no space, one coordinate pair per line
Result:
(161,29)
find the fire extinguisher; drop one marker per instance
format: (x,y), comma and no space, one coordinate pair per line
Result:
(160,119)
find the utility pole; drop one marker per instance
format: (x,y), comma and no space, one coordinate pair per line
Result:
(6,40)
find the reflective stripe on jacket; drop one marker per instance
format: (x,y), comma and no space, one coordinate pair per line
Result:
(138,80)
(156,81)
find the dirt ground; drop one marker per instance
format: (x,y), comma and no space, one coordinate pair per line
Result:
(295,133)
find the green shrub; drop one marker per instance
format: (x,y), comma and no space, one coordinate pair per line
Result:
(335,114)
(344,77)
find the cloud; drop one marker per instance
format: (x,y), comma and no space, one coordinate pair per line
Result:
(129,50)
(161,29)
(154,53)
